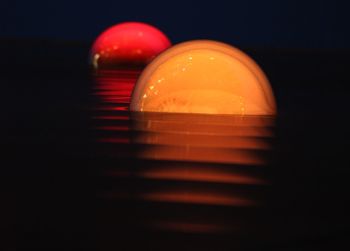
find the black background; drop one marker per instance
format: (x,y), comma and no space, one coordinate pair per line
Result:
(271,23)
(49,170)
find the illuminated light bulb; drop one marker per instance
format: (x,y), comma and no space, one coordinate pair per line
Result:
(203,77)
(127,44)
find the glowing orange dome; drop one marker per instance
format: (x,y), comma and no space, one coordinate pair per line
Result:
(204,77)
(127,44)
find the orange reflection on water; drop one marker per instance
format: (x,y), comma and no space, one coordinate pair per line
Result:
(197,138)
(190,227)
(197,124)
(202,154)
(198,173)
(219,198)
(184,169)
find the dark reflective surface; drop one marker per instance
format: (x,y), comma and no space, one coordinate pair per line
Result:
(79,172)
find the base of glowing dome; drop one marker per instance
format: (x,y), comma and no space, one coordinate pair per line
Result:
(129,44)
(200,101)
(203,77)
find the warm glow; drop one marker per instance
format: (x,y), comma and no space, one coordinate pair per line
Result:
(201,138)
(127,44)
(203,77)
(113,89)
(197,197)
(199,173)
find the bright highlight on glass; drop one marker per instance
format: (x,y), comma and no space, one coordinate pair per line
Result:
(127,44)
(203,77)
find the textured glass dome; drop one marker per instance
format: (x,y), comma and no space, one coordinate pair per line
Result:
(127,44)
(203,77)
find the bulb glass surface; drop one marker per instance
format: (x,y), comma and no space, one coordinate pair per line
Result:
(203,77)
(127,44)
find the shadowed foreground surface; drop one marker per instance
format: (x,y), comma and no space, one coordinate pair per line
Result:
(80,172)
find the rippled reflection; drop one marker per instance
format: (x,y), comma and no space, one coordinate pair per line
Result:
(112,93)
(213,161)
(112,90)
(179,173)
(200,138)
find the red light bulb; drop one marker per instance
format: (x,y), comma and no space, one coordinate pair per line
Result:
(130,44)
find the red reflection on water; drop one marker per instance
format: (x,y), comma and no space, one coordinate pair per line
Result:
(111,117)
(121,108)
(128,44)
(115,140)
(113,128)
(115,87)
(112,93)
(113,90)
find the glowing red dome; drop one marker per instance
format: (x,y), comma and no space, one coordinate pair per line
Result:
(127,44)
